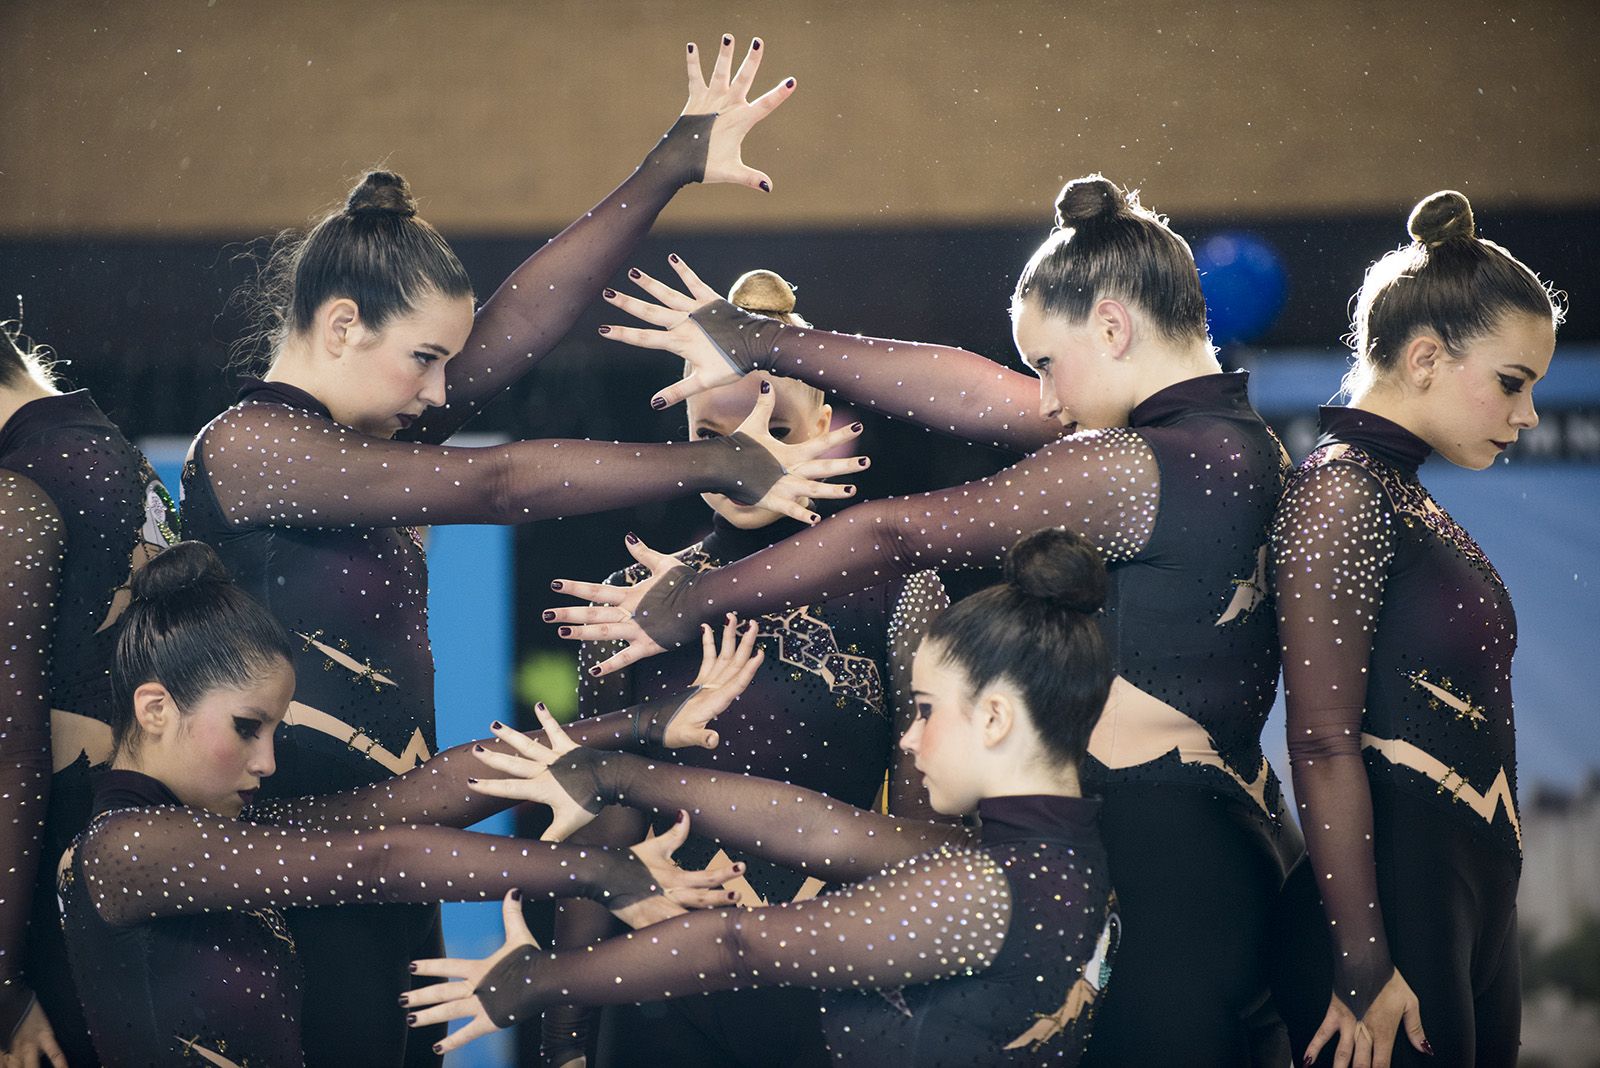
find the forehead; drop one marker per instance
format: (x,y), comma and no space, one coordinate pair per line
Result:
(435,319)
(727,406)
(933,673)
(1526,340)
(1036,331)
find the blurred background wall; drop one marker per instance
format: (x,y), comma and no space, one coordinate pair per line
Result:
(147,144)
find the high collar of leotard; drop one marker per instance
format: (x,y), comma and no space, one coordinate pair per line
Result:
(1226,391)
(727,543)
(117,788)
(1384,438)
(1034,816)
(254,389)
(47,413)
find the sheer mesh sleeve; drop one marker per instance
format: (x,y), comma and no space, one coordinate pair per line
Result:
(930,918)
(1332,546)
(269,464)
(920,598)
(945,389)
(32,540)
(142,864)
(1103,484)
(536,306)
(794,827)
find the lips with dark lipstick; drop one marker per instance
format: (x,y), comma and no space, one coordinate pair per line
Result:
(247,796)
(405,420)
(1501,445)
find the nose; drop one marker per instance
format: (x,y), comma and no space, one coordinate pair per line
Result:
(1526,417)
(912,737)
(1049,403)
(433,391)
(263,761)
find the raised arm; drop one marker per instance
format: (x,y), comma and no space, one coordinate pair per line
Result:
(930,918)
(1332,545)
(1103,484)
(32,542)
(536,306)
(269,464)
(945,389)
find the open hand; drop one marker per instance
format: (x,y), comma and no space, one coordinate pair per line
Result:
(528,774)
(727,96)
(1369,1041)
(680,890)
(724,675)
(674,331)
(452,1001)
(33,1043)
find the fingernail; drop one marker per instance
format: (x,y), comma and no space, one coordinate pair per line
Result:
(608,293)
(1307,1061)
(595,671)
(1427,1047)
(605,330)
(789,84)
(755,44)
(766,186)
(631,538)
(497,726)
(550,614)
(673,256)
(411,1020)
(658,403)
(739,868)
(691,48)
(565,632)
(862,461)
(516,895)
(438,1047)
(682,815)
(849,491)
(727,40)
(856,427)
(633,272)
(413,967)
(479,749)
(766,387)
(403,996)
(472,782)
(556,585)
(541,706)
(815,519)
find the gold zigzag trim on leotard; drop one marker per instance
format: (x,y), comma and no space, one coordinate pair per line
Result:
(364,672)
(1442,693)
(747,893)
(1136,728)
(314,719)
(1247,592)
(1085,990)
(192,1047)
(1451,781)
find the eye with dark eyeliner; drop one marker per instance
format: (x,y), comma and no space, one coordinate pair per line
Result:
(248,728)
(1041,366)
(1511,383)
(924,710)
(425,358)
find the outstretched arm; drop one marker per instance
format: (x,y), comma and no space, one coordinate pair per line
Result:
(930,918)
(269,464)
(32,542)
(1103,484)
(536,306)
(918,600)
(945,389)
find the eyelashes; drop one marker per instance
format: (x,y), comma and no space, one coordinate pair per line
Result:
(247,728)
(1511,384)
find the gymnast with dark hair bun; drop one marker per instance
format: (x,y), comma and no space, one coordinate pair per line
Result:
(312,487)
(1138,442)
(80,510)
(1398,635)
(174,898)
(944,945)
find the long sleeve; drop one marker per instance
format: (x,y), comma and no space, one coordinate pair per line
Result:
(918,600)
(32,541)
(269,464)
(797,828)
(945,389)
(1332,547)
(142,864)
(536,306)
(930,918)
(1103,484)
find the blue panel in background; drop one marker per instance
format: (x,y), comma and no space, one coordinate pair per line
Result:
(470,620)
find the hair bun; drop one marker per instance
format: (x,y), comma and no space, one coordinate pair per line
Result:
(1088,198)
(185,567)
(1444,216)
(1059,567)
(381,193)
(763,291)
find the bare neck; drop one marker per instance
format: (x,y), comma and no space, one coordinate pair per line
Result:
(1165,365)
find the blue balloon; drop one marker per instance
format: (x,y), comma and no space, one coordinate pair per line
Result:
(1244,283)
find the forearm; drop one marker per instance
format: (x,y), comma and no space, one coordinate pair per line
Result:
(25,782)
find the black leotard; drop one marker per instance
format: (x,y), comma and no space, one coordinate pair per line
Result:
(1397,637)
(319,522)
(75,491)
(948,948)
(825,711)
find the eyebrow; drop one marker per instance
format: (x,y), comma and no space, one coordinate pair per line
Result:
(1528,371)
(434,346)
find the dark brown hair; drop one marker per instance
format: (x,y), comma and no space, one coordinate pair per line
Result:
(1037,630)
(1447,280)
(1106,244)
(375,250)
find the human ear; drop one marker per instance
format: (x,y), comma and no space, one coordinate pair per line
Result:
(823,421)
(1113,327)
(153,708)
(1420,359)
(996,714)
(339,324)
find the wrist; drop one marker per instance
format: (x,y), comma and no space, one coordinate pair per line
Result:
(680,155)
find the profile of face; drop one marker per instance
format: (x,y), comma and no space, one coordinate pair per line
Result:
(386,378)
(798,414)
(1084,377)
(213,754)
(1470,406)
(949,733)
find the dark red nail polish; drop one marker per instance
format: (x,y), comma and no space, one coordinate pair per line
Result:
(682,815)
(766,387)
(479,749)
(516,895)
(766,186)
(594,672)
(472,782)
(565,632)
(1307,1061)
(1427,1047)
(631,538)
(605,330)
(674,257)
(862,461)
(497,726)
(691,48)
(789,84)
(411,1020)
(755,45)
(727,40)
(556,585)
(633,272)
(856,427)
(549,615)
(438,1047)
(609,293)
(413,967)
(658,403)
(849,491)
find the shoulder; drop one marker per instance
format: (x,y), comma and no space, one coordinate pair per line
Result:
(29,511)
